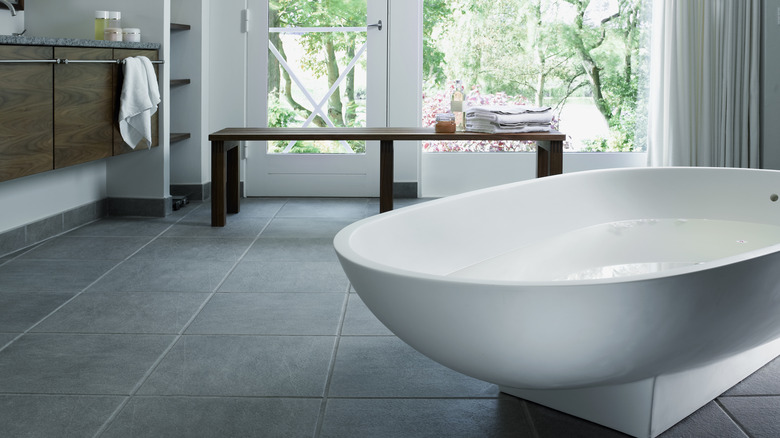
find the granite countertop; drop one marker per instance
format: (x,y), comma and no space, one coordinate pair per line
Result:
(74,42)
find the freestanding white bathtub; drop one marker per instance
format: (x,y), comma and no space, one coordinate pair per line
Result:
(627,297)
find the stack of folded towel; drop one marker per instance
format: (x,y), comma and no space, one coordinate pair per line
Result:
(508,119)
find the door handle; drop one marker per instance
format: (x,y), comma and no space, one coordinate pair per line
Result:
(378,25)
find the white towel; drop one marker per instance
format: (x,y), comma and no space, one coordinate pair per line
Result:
(139,99)
(492,128)
(508,119)
(507,109)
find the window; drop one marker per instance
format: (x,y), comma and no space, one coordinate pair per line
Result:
(586,59)
(317,71)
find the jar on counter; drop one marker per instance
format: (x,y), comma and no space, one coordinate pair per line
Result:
(131,34)
(112,34)
(101,22)
(114,19)
(445,122)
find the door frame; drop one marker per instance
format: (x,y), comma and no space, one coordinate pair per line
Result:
(314,174)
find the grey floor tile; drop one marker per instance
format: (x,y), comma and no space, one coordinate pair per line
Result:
(54,416)
(286,277)
(360,321)
(259,207)
(124,313)
(19,253)
(291,249)
(87,248)
(387,367)
(21,310)
(145,227)
(206,248)
(398,203)
(550,423)
(11,241)
(411,418)
(709,421)
(140,274)
(305,227)
(215,417)
(78,364)
(6,338)
(760,416)
(324,207)
(270,314)
(282,366)
(765,381)
(51,275)
(200,226)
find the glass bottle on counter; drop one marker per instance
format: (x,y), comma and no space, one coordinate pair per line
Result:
(101,23)
(456,106)
(114,19)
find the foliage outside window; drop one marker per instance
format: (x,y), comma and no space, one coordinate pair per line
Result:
(543,53)
(321,58)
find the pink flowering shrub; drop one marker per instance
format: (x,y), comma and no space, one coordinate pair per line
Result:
(439,102)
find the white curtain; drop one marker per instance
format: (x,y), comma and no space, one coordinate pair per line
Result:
(704,83)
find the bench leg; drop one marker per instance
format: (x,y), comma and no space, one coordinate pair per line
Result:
(233,179)
(385,175)
(218,184)
(549,158)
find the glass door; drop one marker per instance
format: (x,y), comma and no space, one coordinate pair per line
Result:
(325,66)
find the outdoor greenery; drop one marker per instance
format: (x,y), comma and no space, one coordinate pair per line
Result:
(544,51)
(326,55)
(540,52)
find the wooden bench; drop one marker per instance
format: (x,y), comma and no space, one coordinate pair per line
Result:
(225,157)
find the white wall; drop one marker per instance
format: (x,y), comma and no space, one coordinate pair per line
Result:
(228,75)
(189,103)
(445,174)
(404,83)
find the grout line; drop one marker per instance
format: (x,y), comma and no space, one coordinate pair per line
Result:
(331,367)
(529,417)
(177,337)
(734,419)
(71,299)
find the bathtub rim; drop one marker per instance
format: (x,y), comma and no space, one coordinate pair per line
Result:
(344,250)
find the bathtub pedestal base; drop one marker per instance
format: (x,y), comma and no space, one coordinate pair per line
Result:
(647,408)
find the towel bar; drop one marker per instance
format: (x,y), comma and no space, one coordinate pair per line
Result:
(67,61)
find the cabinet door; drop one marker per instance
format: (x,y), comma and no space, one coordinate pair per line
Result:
(83,106)
(26,123)
(119,144)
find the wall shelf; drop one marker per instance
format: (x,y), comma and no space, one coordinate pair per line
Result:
(179,136)
(176,82)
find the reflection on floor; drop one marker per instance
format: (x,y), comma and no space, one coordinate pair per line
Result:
(169,327)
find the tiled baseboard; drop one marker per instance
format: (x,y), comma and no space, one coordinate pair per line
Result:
(140,207)
(404,190)
(193,192)
(38,231)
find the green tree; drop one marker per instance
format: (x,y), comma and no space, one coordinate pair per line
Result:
(322,52)
(544,50)
(436,15)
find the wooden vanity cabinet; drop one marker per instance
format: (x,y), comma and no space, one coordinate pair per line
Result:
(120,147)
(83,106)
(26,119)
(58,115)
